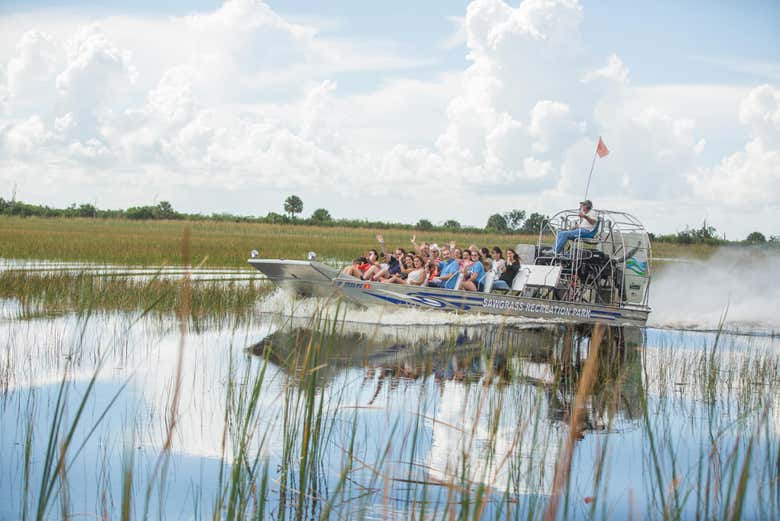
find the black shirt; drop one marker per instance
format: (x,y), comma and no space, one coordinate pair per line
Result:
(509,274)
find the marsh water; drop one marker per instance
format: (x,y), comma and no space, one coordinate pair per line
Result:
(311,409)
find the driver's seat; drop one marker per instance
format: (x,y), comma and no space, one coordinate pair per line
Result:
(597,232)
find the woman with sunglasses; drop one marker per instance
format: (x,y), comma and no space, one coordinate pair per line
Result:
(472,273)
(416,275)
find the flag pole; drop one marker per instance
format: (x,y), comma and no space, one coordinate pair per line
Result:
(587,186)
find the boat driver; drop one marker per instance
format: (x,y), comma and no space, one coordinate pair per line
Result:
(585,230)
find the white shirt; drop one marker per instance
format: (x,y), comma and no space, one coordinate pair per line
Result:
(498,266)
(585,224)
(416,276)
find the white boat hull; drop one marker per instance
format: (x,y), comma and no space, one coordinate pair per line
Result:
(311,278)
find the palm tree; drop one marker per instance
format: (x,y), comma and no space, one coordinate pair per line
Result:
(293,205)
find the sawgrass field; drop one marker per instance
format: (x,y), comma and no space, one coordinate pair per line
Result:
(226,244)
(261,413)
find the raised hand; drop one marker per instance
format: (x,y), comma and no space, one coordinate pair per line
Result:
(379,238)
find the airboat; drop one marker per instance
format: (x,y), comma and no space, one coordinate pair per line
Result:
(604,279)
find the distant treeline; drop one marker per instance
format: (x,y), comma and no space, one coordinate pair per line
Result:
(511,222)
(515,221)
(707,234)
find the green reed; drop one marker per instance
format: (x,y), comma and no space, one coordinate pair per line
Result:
(504,415)
(46,293)
(243,488)
(62,449)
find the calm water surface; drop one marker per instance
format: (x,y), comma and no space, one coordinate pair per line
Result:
(413,413)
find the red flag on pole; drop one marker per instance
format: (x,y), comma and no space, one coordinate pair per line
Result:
(602,149)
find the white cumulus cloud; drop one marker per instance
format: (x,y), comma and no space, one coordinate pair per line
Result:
(750,176)
(243,100)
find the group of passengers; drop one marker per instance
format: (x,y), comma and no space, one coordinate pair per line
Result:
(434,266)
(430,265)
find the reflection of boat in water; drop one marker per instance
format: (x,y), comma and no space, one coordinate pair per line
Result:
(549,357)
(497,392)
(603,279)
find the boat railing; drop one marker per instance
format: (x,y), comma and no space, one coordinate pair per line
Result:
(620,238)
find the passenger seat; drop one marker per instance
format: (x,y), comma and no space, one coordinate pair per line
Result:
(487,283)
(458,281)
(518,283)
(526,253)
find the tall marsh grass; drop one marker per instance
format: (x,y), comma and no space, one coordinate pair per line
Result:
(224,244)
(57,292)
(319,423)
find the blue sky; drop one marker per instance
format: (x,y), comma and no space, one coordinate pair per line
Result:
(229,107)
(666,41)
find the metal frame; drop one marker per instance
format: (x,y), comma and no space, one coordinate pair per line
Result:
(610,239)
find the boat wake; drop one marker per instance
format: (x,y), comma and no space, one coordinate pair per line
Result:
(282,303)
(739,289)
